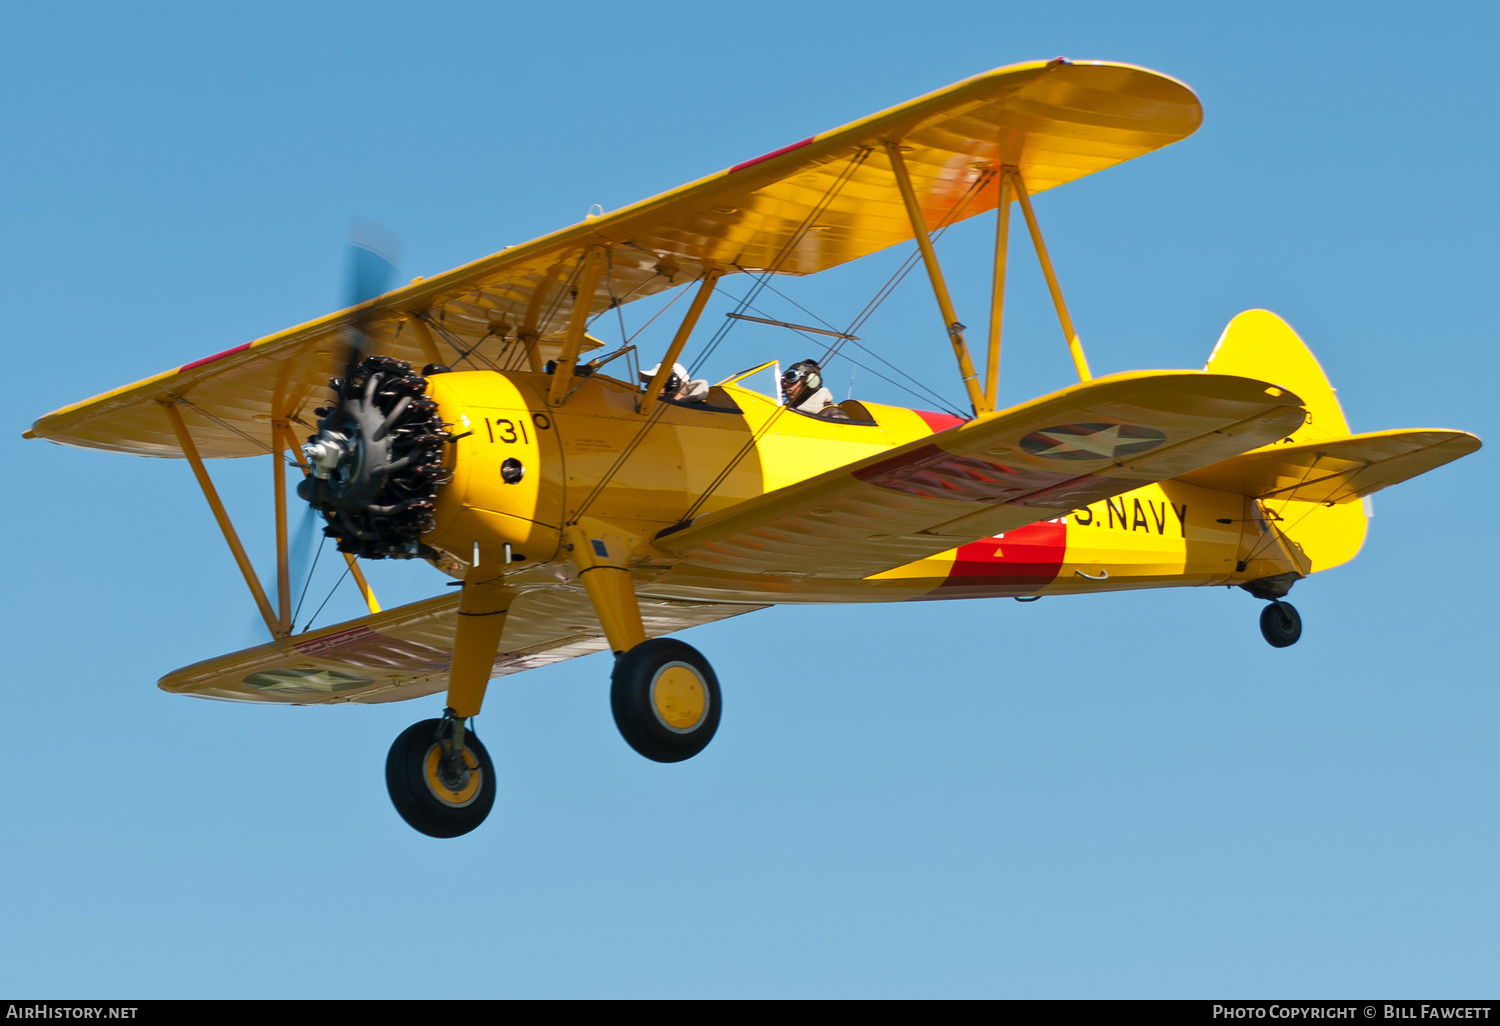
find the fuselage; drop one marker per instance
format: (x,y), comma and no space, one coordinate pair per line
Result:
(591,457)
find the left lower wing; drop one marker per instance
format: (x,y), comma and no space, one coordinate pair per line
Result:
(1335,470)
(996,473)
(404,652)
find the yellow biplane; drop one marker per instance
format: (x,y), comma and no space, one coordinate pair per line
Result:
(581,511)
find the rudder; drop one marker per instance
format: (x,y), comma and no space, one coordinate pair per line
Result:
(1258,344)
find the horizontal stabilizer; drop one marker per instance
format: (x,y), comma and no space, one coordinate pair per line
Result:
(995,473)
(1333,470)
(404,652)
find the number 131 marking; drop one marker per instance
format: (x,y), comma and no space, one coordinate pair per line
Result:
(507,431)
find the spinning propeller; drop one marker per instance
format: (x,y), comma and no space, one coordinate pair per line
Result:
(377,459)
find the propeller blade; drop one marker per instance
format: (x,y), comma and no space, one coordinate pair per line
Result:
(372,262)
(300,550)
(371,271)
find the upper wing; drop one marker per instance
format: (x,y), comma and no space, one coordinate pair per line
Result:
(1338,469)
(803,208)
(404,652)
(995,473)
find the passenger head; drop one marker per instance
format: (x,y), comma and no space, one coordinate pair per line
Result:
(801,380)
(675,380)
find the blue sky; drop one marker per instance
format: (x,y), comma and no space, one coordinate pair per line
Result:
(1126,795)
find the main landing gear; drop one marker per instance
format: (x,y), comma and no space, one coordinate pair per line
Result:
(663,693)
(440,777)
(665,698)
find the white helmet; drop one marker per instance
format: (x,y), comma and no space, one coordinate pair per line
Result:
(675,380)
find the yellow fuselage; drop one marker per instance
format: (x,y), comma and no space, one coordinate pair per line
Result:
(741,444)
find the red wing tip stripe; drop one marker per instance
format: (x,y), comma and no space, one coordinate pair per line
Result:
(774,153)
(211,359)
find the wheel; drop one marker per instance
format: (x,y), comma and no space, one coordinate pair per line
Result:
(1280,625)
(431,800)
(665,698)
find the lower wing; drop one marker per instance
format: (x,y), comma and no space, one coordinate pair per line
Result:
(404,652)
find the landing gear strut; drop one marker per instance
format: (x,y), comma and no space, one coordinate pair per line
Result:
(1280,625)
(440,777)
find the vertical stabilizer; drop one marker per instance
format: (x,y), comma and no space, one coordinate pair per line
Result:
(1258,344)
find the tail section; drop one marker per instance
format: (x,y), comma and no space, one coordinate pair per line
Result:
(1258,344)
(1286,535)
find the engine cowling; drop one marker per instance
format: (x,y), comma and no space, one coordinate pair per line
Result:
(377,462)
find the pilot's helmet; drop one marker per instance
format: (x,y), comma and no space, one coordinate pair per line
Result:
(801,378)
(674,380)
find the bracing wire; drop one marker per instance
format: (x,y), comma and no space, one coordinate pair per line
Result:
(1271,534)
(931,395)
(855,162)
(230,427)
(308,583)
(831,351)
(789,247)
(335,588)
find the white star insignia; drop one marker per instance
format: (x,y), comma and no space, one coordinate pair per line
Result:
(1100,443)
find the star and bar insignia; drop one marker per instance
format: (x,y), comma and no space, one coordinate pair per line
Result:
(1091,441)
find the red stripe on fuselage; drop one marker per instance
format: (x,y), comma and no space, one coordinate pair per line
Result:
(1017,562)
(939,421)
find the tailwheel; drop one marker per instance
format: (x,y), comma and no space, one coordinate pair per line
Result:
(665,699)
(1280,625)
(437,790)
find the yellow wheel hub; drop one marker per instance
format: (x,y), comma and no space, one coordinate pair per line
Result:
(468,787)
(679,697)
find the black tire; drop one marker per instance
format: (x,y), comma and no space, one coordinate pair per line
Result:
(666,716)
(1280,625)
(429,805)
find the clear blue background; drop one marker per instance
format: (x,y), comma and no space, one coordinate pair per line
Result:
(1127,795)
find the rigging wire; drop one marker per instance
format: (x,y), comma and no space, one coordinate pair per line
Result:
(616,305)
(932,396)
(308,583)
(569,285)
(657,410)
(1274,531)
(789,247)
(329,596)
(680,293)
(457,343)
(911,262)
(856,161)
(230,427)
(831,351)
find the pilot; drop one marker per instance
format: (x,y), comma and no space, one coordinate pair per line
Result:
(679,387)
(802,385)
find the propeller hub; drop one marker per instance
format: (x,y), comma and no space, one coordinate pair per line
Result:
(377,461)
